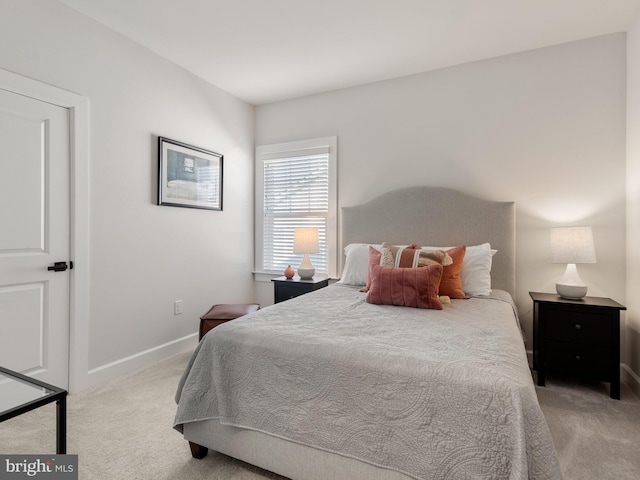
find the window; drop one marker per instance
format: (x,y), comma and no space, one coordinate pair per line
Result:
(296,187)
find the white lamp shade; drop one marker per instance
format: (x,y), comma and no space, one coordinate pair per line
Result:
(305,240)
(572,245)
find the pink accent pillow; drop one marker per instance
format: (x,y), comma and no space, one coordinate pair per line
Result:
(374,259)
(409,287)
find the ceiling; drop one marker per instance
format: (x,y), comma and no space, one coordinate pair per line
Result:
(264,51)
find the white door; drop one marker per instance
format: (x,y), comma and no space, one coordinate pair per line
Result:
(34,233)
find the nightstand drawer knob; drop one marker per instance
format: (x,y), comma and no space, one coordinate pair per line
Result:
(578,326)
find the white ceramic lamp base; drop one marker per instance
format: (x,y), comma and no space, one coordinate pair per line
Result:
(306,270)
(571,286)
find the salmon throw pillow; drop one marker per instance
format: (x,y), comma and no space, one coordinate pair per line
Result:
(374,259)
(451,283)
(409,287)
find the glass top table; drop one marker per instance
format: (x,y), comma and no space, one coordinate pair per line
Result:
(20,394)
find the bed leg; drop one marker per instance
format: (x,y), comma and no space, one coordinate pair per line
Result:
(198,451)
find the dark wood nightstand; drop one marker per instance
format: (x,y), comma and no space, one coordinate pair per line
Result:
(577,337)
(284,288)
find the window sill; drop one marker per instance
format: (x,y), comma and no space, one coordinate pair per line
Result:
(265,276)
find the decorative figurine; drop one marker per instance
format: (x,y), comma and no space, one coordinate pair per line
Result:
(289,272)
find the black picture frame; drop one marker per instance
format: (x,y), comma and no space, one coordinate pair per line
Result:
(189,176)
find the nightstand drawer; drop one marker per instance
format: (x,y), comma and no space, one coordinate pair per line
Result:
(286,292)
(580,359)
(578,326)
(287,288)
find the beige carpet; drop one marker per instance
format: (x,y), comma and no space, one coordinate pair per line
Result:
(596,437)
(123,431)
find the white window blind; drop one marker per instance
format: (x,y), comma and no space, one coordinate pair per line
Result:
(297,191)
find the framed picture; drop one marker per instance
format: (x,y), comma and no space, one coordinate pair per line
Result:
(188,176)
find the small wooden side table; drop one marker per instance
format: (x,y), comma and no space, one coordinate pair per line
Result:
(577,337)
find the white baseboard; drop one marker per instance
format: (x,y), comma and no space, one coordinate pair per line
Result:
(630,378)
(130,364)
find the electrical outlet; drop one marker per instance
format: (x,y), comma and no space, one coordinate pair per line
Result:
(177,307)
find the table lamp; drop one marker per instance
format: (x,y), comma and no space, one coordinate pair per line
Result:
(572,245)
(305,240)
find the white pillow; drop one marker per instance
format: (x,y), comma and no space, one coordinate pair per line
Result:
(476,269)
(356,263)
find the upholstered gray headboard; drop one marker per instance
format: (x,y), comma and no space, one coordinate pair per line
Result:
(437,216)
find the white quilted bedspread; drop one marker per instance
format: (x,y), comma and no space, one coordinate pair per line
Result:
(434,394)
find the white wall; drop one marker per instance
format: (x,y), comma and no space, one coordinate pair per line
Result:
(633,205)
(544,128)
(142,256)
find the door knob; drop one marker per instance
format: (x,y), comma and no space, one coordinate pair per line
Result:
(60,266)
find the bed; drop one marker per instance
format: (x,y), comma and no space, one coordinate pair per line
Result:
(329,386)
